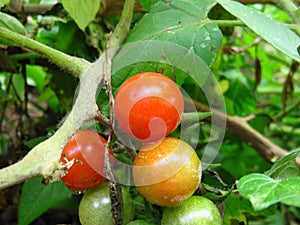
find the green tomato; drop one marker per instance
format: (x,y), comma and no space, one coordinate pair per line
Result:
(140,222)
(95,206)
(194,211)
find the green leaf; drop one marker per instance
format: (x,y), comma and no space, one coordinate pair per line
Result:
(36,76)
(37,198)
(184,23)
(239,97)
(35,141)
(11,23)
(237,208)
(3,2)
(146,4)
(268,28)
(285,167)
(263,191)
(3,94)
(82,11)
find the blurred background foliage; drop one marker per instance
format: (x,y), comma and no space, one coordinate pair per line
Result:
(259,83)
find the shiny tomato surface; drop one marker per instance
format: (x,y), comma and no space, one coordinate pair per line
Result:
(148,106)
(168,172)
(87,149)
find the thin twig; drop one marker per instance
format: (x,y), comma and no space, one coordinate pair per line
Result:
(238,126)
(113,45)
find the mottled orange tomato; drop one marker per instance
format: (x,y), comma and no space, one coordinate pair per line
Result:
(168,172)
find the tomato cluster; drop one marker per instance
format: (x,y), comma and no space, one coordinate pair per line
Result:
(148,107)
(166,171)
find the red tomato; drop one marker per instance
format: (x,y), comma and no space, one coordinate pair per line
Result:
(87,148)
(148,106)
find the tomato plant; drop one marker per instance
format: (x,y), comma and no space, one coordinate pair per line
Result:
(168,172)
(195,210)
(237,61)
(95,206)
(148,106)
(86,149)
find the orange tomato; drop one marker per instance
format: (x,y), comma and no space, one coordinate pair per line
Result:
(168,172)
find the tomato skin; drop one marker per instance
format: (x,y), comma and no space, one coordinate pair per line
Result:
(168,172)
(140,222)
(148,106)
(87,149)
(195,210)
(95,206)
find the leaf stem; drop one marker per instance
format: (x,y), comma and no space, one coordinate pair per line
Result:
(73,65)
(123,27)
(233,23)
(113,46)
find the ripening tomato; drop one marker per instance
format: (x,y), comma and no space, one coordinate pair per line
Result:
(140,222)
(168,172)
(148,106)
(87,149)
(195,210)
(95,206)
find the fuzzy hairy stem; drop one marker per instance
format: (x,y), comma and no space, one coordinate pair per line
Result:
(71,64)
(43,160)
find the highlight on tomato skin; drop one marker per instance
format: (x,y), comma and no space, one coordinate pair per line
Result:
(86,148)
(148,106)
(167,173)
(195,210)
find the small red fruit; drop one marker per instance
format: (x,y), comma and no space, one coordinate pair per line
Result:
(148,106)
(87,149)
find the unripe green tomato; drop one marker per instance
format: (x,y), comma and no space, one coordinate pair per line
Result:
(194,211)
(95,206)
(140,222)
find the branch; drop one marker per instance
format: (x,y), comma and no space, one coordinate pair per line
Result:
(73,65)
(233,23)
(43,160)
(107,8)
(239,127)
(121,31)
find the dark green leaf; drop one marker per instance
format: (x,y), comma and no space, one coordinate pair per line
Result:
(3,2)
(36,76)
(33,142)
(11,23)
(268,28)
(239,97)
(37,198)
(184,23)
(263,191)
(82,11)
(3,94)
(146,4)
(19,86)
(237,208)
(285,167)
(238,155)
